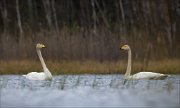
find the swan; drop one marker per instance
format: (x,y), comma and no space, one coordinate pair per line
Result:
(46,75)
(140,75)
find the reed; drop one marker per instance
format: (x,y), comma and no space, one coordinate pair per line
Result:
(168,66)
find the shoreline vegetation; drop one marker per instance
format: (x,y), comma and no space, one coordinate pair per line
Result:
(84,36)
(167,66)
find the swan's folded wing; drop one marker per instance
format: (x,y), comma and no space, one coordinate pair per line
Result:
(35,76)
(149,75)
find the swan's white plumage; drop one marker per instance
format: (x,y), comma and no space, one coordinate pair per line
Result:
(140,75)
(46,75)
(35,76)
(148,75)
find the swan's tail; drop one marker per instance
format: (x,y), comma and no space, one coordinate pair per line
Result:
(163,77)
(169,76)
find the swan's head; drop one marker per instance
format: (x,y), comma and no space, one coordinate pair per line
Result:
(39,46)
(125,47)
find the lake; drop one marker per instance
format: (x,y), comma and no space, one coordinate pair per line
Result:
(89,91)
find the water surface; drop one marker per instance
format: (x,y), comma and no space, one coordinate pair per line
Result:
(89,91)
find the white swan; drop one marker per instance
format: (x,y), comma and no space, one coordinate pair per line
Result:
(140,75)
(46,75)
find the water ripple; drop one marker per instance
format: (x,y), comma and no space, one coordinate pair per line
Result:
(88,91)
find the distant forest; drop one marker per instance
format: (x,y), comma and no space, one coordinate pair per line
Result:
(89,29)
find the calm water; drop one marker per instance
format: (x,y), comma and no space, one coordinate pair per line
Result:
(89,90)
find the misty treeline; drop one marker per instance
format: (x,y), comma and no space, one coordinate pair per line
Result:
(89,29)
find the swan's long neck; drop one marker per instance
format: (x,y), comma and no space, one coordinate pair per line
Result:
(41,59)
(128,71)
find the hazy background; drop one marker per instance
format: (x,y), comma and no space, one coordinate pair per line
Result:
(80,30)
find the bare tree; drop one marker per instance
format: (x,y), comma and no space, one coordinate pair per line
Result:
(4,14)
(102,13)
(31,19)
(94,16)
(47,8)
(19,21)
(92,29)
(55,16)
(122,10)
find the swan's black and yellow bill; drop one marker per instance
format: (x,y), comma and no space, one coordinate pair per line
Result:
(40,45)
(121,47)
(43,46)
